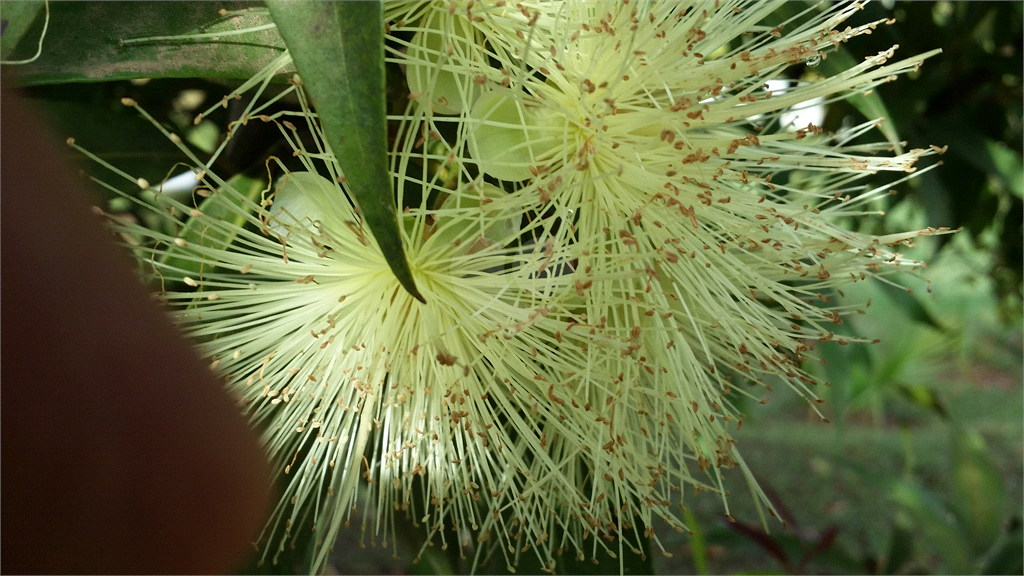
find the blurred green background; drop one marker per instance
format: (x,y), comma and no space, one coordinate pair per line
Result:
(920,470)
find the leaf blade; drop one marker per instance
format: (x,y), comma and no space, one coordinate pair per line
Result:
(338,50)
(83,42)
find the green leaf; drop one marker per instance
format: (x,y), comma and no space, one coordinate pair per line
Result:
(980,151)
(924,396)
(698,549)
(1007,165)
(338,49)
(870,105)
(213,208)
(1006,555)
(901,548)
(16,18)
(932,523)
(978,495)
(908,304)
(83,42)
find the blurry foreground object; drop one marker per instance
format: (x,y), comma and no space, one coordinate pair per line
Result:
(120,454)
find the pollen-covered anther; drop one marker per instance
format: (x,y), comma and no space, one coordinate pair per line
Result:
(446,359)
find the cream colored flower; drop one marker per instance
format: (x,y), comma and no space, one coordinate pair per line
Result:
(609,228)
(645,133)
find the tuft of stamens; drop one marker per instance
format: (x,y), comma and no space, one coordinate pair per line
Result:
(610,226)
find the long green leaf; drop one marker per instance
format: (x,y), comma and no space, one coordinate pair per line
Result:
(98,41)
(338,49)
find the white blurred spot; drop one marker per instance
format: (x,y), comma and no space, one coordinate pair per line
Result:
(184,182)
(188,100)
(799,116)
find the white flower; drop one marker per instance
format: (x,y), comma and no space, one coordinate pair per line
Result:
(644,133)
(608,227)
